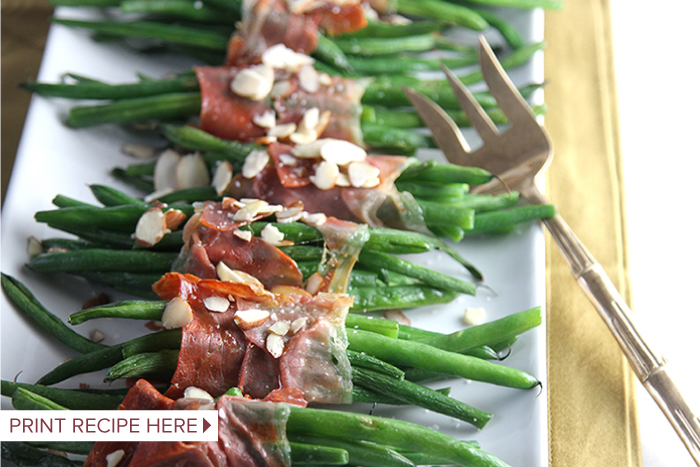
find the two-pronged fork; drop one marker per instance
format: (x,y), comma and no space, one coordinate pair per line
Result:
(516,156)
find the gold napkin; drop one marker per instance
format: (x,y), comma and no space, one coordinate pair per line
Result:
(592,407)
(591,388)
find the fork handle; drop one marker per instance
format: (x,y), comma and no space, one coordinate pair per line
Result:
(649,366)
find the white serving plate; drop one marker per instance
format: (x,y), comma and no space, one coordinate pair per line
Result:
(53,159)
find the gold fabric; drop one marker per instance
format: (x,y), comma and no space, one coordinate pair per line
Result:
(592,408)
(592,420)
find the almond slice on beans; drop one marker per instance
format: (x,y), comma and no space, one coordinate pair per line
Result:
(192,172)
(272,234)
(254,83)
(139,151)
(254,163)
(251,210)
(316,219)
(34,247)
(174,218)
(251,318)
(223,176)
(246,235)
(325,176)
(474,316)
(165,171)
(151,227)
(361,173)
(177,314)
(282,57)
(291,213)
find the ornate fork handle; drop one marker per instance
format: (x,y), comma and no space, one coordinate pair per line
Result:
(648,365)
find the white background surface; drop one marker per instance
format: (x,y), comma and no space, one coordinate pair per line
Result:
(655,43)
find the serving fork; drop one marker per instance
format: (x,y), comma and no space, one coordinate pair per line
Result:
(516,156)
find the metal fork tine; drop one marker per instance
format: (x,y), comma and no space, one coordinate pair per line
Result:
(478,117)
(445,131)
(511,102)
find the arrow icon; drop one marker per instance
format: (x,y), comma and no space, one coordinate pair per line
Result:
(206,425)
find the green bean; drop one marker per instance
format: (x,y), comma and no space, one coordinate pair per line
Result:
(359,452)
(408,353)
(139,109)
(443,11)
(22,399)
(371,363)
(109,356)
(67,244)
(136,182)
(190,195)
(386,29)
(297,232)
(308,453)
(329,51)
(433,191)
(130,309)
(141,169)
(523,4)
(196,139)
(156,364)
(109,196)
(498,220)
(68,398)
(509,33)
(436,213)
(73,447)
(28,304)
(407,119)
(184,9)
(198,37)
(382,326)
(518,57)
(392,433)
(399,296)
(432,172)
(370,46)
(364,395)
(97,90)
(102,260)
(385,65)
(484,334)
(420,396)
(93,3)
(377,260)
(23,455)
(395,140)
(62,201)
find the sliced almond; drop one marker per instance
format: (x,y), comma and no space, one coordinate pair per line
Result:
(474,316)
(114,458)
(252,318)
(97,336)
(139,151)
(275,345)
(272,234)
(192,172)
(165,171)
(151,227)
(223,175)
(310,150)
(196,393)
(398,316)
(308,79)
(287,159)
(310,119)
(266,119)
(254,163)
(177,314)
(298,324)
(227,274)
(281,88)
(291,213)
(325,79)
(34,247)
(325,175)
(342,152)
(323,122)
(174,218)
(254,83)
(227,203)
(289,290)
(251,210)
(342,180)
(281,328)
(246,235)
(281,57)
(361,172)
(282,131)
(316,219)
(314,283)
(216,304)
(303,137)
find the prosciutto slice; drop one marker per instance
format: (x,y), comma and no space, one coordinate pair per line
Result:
(230,116)
(212,236)
(217,353)
(252,433)
(294,23)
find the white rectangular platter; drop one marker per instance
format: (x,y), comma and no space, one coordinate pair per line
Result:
(53,159)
